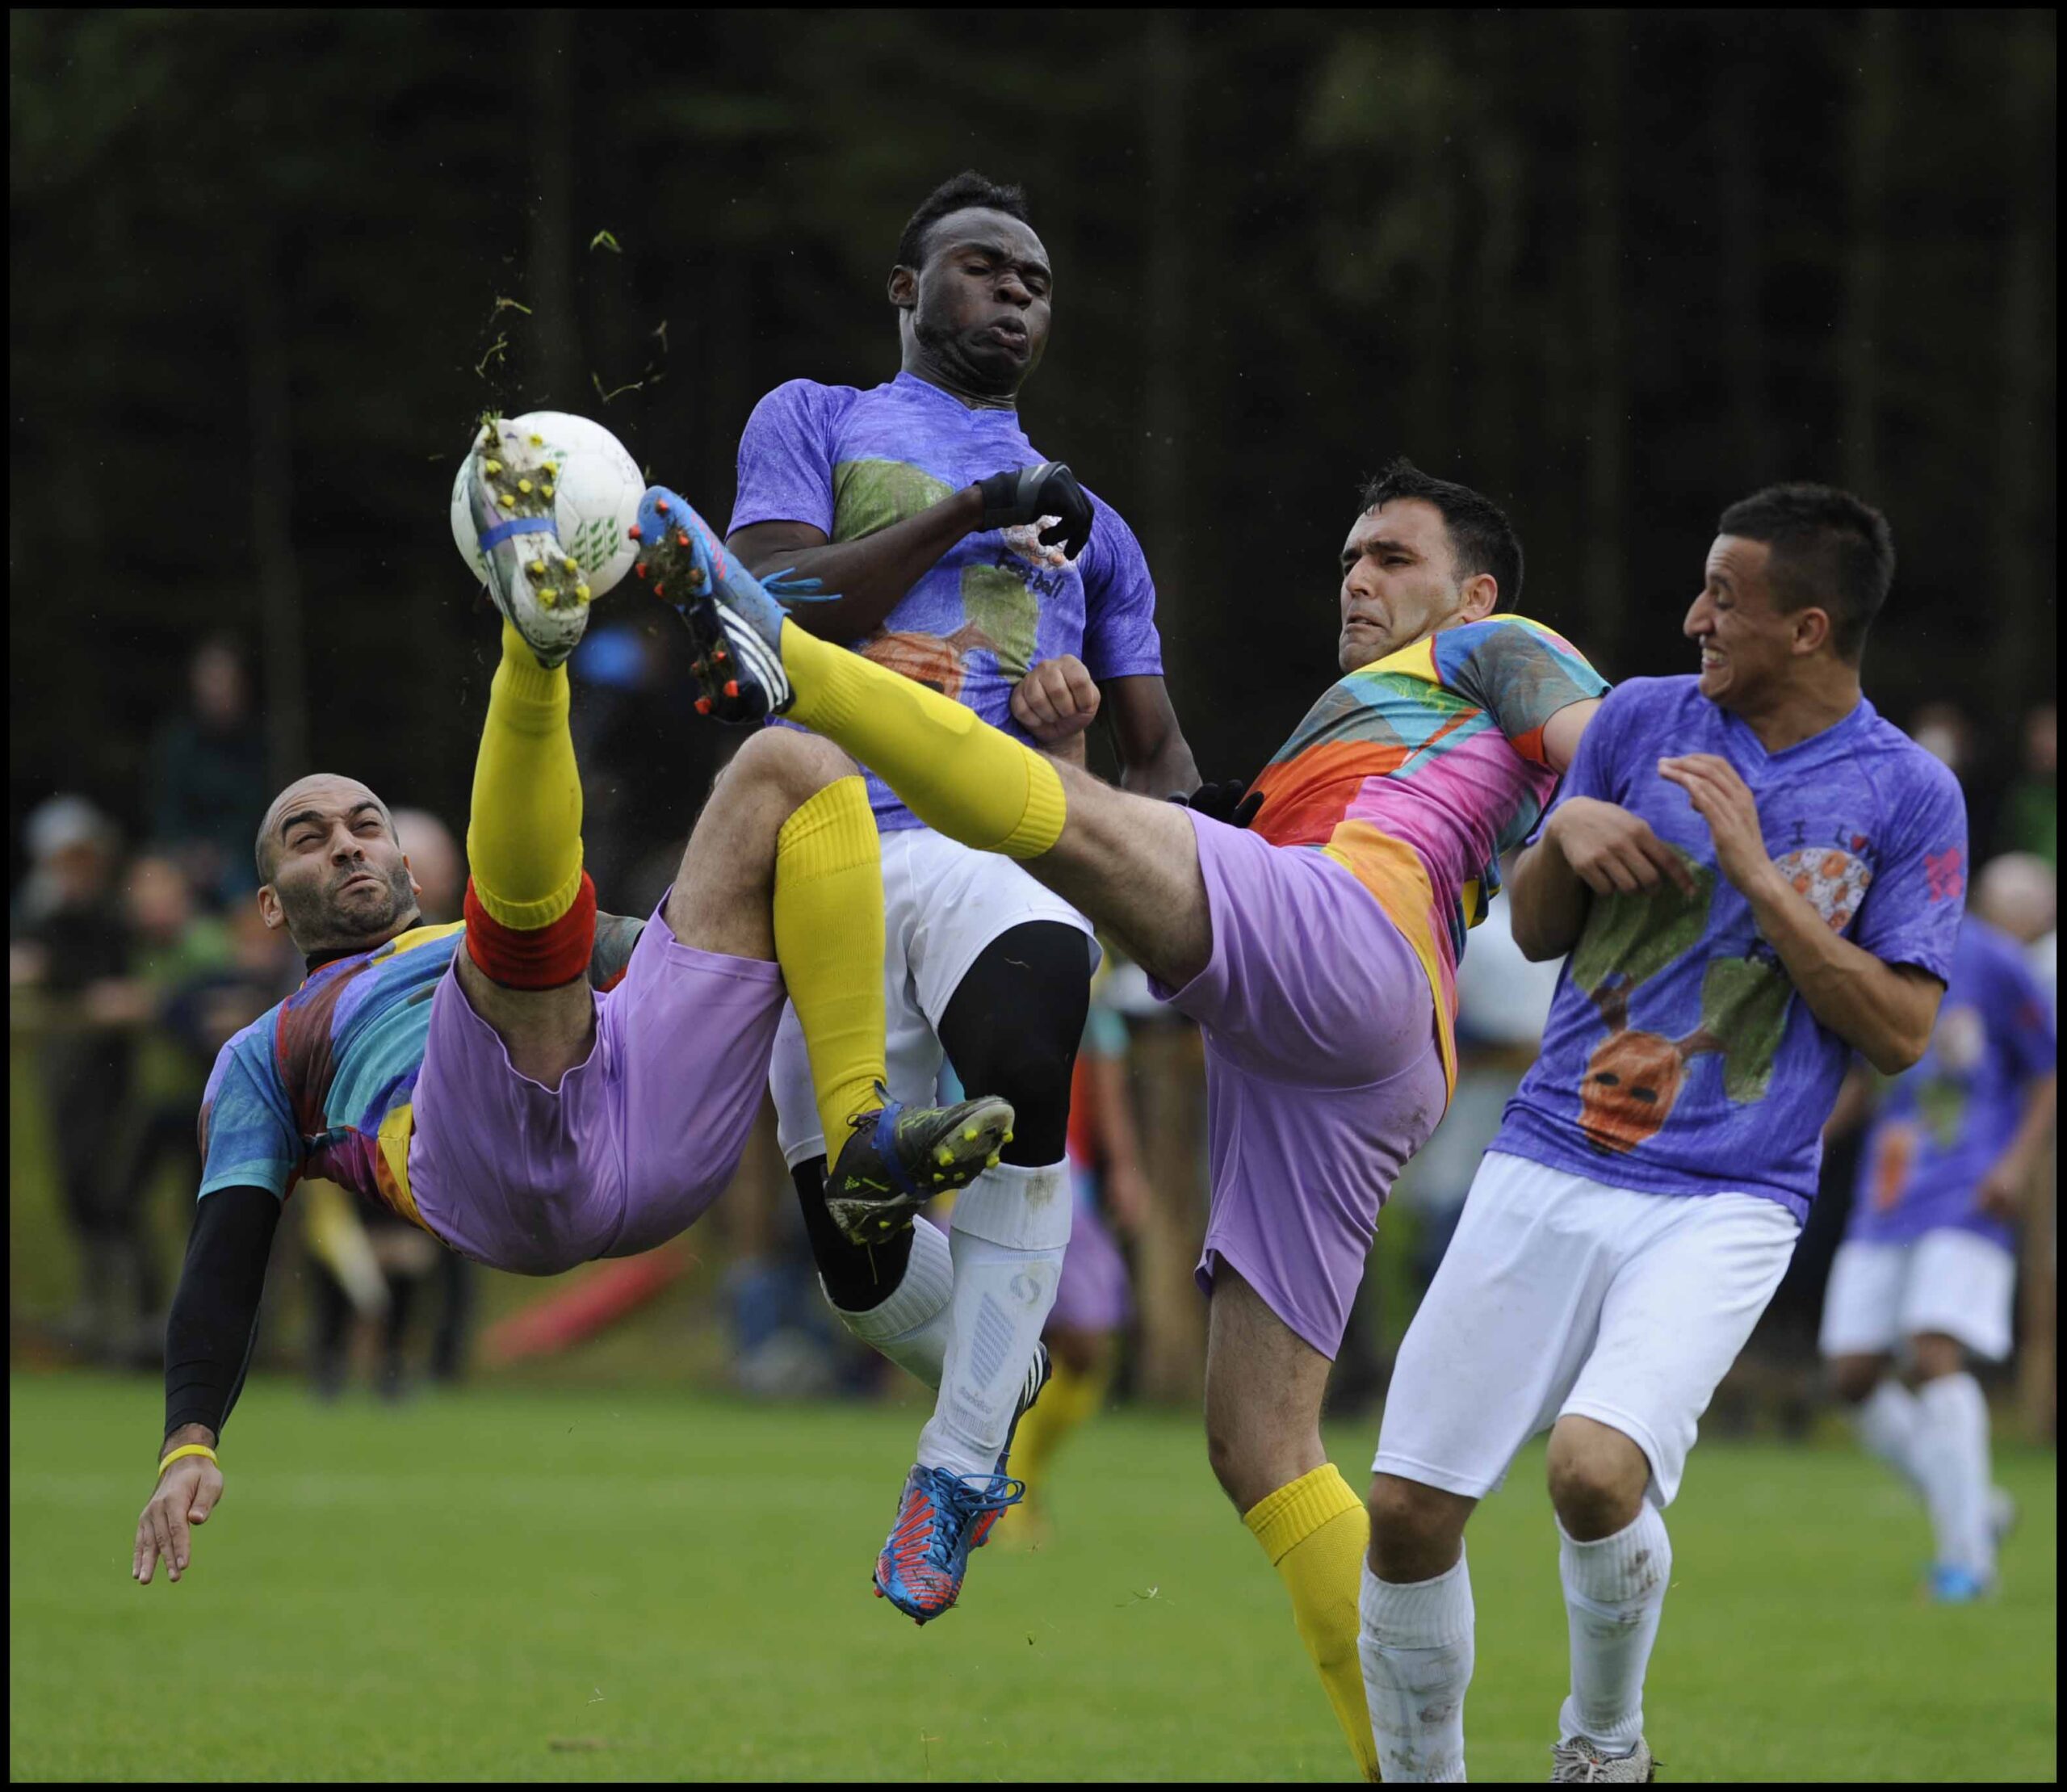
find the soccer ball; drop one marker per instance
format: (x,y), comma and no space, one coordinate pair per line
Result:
(595,499)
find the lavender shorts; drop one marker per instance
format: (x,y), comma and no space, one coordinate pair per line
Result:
(638,1140)
(1323,1075)
(1092,1295)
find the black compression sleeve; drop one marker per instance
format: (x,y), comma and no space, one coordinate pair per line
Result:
(214,1315)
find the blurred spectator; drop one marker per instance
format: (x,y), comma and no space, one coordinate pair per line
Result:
(435,862)
(69,942)
(207,777)
(2030,810)
(1944,731)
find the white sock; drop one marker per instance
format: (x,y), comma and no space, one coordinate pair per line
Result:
(1888,1425)
(1415,1638)
(1952,1453)
(1614,1596)
(1010,1226)
(909,1326)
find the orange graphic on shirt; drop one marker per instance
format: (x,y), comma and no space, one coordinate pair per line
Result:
(1633,1079)
(938,662)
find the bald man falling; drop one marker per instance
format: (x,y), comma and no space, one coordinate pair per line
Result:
(569,1085)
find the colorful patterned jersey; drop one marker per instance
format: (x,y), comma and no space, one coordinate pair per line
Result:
(1679,1058)
(1944,1122)
(997,603)
(1418,771)
(324,1084)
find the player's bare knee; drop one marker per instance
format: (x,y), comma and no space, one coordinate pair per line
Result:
(1415,1530)
(1597,1479)
(1934,1355)
(792,764)
(1854,1378)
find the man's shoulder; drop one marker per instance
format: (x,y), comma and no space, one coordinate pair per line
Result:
(809,400)
(252,1048)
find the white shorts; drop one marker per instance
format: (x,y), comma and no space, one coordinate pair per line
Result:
(1560,1294)
(942,904)
(1947,1280)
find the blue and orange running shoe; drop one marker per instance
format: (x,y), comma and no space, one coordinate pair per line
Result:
(919,1570)
(1036,1378)
(898,1158)
(734,625)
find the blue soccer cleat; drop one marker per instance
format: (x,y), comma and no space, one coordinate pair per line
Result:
(920,1568)
(734,625)
(1036,1378)
(1957,1586)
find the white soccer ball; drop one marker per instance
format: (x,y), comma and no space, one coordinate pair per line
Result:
(595,499)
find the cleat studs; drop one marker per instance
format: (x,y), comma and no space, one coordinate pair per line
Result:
(583,593)
(524,485)
(537,568)
(634,533)
(492,468)
(1007,1136)
(549,469)
(704,706)
(538,442)
(660,590)
(969,1133)
(991,1162)
(566,565)
(661,504)
(640,568)
(548,491)
(731,687)
(696,578)
(942,1154)
(681,538)
(505,501)
(939,1179)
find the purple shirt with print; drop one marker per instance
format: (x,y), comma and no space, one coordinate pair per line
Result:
(850,463)
(1679,1058)
(1945,1120)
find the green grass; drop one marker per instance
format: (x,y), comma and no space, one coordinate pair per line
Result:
(591,1586)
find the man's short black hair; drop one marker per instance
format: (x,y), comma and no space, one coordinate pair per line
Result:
(1481,539)
(967,189)
(1829,549)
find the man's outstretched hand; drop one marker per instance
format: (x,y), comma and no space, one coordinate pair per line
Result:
(1026,494)
(187,1492)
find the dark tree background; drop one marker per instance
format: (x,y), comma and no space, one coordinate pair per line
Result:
(1617,268)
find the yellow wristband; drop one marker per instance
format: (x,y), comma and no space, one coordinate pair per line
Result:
(172,1456)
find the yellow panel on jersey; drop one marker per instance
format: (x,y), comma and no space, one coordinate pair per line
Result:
(1395,874)
(524,836)
(828,938)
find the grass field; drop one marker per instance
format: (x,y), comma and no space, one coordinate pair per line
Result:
(558,1585)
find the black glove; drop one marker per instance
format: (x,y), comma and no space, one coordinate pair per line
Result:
(1025,494)
(1225,802)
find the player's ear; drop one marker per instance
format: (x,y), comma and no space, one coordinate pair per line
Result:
(904,288)
(1481,597)
(270,910)
(1811,631)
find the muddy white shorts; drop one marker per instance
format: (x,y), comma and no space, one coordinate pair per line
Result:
(1562,1294)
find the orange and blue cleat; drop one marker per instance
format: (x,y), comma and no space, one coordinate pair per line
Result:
(919,1570)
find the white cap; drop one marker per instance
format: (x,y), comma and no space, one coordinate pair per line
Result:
(60,823)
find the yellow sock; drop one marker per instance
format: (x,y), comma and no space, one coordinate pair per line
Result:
(524,836)
(828,937)
(960,776)
(1316,1533)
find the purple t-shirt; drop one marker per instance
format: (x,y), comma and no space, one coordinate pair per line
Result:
(851,463)
(1944,1121)
(1678,1058)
